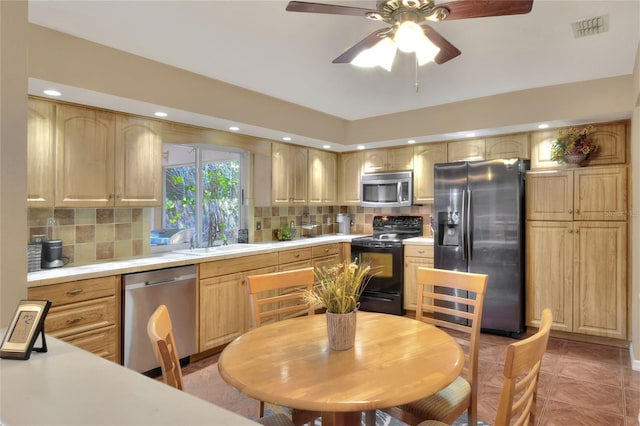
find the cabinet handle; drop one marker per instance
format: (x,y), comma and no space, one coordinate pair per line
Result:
(577,231)
(577,211)
(74,292)
(571,231)
(111,196)
(570,210)
(118,196)
(74,320)
(420,251)
(326,250)
(297,255)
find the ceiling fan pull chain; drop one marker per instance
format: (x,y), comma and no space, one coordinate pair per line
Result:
(417,84)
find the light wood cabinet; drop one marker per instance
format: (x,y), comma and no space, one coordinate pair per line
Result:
(327,255)
(349,183)
(589,193)
(105,159)
(466,150)
(424,157)
(224,312)
(40,153)
(388,160)
(611,139)
(415,256)
(85,313)
(289,173)
(577,244)
(323,170)
(507,146)
(579,270)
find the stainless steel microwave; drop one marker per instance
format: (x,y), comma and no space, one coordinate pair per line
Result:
(387,189)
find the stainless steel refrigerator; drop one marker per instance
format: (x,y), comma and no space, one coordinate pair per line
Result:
(479,227)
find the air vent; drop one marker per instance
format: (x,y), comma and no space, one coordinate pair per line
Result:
(591,26)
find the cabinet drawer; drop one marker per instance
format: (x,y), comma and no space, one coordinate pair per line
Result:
(80,317)
(326,250)
(238,264)
(418,251)
(294,255)
(76,291)
(101,342)
(291,266)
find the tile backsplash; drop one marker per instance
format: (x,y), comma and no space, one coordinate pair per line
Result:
(91,235)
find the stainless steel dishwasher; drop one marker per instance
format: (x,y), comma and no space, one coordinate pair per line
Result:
(143,293)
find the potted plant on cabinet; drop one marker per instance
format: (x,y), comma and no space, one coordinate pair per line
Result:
(338,288)
(573,146)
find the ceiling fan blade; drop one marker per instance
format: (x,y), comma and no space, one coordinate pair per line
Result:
(365,43)
(300,6)
(447,50)
(463,9)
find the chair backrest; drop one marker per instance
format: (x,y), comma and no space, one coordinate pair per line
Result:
(164,346)
(279,295)
(521,372)
(456,306)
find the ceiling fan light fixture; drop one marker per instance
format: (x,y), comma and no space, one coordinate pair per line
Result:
(374,16)
(381,54)
(409,36)
(426,51)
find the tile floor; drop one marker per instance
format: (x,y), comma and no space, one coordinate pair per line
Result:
(580,384)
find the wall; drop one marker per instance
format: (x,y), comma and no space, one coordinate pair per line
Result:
(272,218)
(13,156)
(94,235)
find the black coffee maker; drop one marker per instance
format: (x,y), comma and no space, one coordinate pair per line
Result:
(51,254)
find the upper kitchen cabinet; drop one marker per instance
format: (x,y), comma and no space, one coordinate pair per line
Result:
(466,150)
(351,165)
(611,139)
(424,157)
(104,159)
(288,174)
(40,153)
(84,157)
(388,160)
(323,170)
(138,162)
(507,146)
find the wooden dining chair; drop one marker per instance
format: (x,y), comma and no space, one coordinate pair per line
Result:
(160,333)
(460,313)
(521,373)
(278,296)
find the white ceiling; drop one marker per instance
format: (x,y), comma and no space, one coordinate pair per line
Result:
(260,46)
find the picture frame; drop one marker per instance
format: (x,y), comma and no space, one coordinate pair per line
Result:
(27,324)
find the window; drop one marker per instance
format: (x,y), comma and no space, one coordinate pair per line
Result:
(203,208)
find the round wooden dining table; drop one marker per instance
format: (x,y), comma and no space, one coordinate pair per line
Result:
(394,360)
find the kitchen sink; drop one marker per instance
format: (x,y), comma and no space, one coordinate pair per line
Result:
(206,251)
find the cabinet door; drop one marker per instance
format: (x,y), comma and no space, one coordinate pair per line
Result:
(549,273)
(467,150)
(138,162)
(223,302)
(611,139)
(600,279)
(400,159)
(600,193)
(40,153)
(350,176)
(418,256)
(507,146)
(375,160)
(299,172)
(549,195)
(541,143)
(322,177)
(84,157)
(280,174)
(424,157)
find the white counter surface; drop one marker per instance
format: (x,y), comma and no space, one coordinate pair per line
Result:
(69,386)
(425,241)
(168,260)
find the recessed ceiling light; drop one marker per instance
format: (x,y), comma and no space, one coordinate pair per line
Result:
(286,138)
(360,147)
(234,128)
(411,141)
(326,146)
(470,135)
(543,126)
(160,114)
(51,92)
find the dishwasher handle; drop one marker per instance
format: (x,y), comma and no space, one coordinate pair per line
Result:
(173,280)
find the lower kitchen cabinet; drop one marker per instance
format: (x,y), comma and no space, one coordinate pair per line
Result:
(579,270)
(326,255)
(85,313)
(415,256)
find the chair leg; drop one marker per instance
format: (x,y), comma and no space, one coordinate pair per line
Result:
(261,409)
(370,418)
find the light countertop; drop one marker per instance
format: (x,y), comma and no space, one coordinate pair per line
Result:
(69,386)
(171,259)
(423,241)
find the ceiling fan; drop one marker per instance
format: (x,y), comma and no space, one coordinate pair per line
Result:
(409,31)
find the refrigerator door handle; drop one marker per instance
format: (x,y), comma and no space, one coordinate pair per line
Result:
(468,224)
(463,229)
